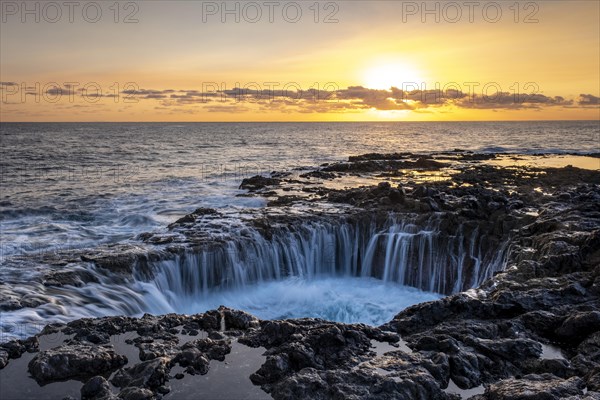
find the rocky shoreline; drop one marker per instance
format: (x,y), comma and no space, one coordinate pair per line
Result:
(532,331)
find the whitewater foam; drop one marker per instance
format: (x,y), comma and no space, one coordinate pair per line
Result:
(343,299)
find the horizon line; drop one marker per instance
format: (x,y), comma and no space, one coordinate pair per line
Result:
(287,122)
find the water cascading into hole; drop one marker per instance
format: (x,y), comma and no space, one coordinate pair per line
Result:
(401,252)
(352,271)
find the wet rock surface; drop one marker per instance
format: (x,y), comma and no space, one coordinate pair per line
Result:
(492,335)
(258,182)
(74,361)
(544,386)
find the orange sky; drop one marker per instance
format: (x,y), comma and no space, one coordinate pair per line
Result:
(183,60)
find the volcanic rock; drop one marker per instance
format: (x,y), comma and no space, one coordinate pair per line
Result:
(74,361)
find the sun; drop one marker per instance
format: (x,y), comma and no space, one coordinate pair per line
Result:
(394,74)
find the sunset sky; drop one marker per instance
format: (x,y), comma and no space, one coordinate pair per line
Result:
(379,61)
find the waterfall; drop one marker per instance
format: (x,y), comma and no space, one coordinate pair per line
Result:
(404,252)
(363,270)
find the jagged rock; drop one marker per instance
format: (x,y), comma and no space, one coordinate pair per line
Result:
(428,163)
(3,358)
(75,278)
(293,347)
(163,389)
(319,175)
(205,211)
(593,380)
(74,361)
(543,323)
(557,367)
(214,349)
(116,262)
(379,156)
(310,383)
(580,325)
(150,351)
(189,218)
(147,374)
(587,357)
(195,362)
(534,387)
(235,319)
(136,393)
(15,348)
(258,182)
(284,201)
(97,388)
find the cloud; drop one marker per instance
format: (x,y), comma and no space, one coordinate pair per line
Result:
(148,93)
(60,91)
(291,98)
(359,97)
(354,98)
(68,90)
(234,108)
(511,101)
(588,100)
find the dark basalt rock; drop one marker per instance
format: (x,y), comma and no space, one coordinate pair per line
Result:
(152,350)
(310,383)
(533,387)
(74,361)
(76,278)
(136,393)
(284,201)
(119,259)
(3,358)
(235,319)
(379,156)
(558,367)
(303,353)
(579,326)
(258,182)
(147,374)
(371,163)
(195,362)
(319,175)
(361,166)
(428,163)
(190,218)
(382,196)
(213,349)
(205,211)
(95,389)
(15,348)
